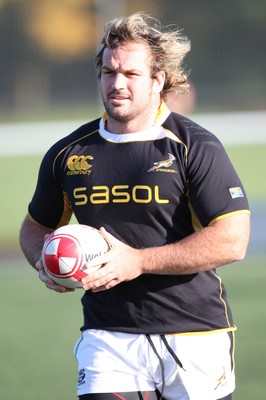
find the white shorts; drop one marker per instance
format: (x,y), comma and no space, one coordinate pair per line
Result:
(121,362)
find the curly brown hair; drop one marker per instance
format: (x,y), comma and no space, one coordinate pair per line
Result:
(168,47)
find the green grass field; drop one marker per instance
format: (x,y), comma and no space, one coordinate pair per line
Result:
(38,331)
(39,327)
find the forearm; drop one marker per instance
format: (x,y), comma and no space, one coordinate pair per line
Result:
(222,242)
(211,247)
(31,240)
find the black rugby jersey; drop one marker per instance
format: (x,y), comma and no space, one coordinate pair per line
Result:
(147,189)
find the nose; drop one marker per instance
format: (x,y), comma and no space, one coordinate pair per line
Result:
(119,81)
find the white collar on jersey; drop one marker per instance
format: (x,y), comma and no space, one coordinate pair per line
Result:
(156,132)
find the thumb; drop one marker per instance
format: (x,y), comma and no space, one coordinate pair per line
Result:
(110,239)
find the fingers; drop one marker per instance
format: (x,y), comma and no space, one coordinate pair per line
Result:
(110,269)
(95,264)
(47,236)
(99,281)
(50,284)
(99,271)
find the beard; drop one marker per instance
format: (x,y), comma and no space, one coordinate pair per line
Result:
(121,113)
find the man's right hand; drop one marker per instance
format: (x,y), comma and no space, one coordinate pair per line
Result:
(50,284)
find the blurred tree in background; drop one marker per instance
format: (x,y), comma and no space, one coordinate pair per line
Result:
(227,59)
(47,49)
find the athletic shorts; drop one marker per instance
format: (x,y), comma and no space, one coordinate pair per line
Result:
(181,367)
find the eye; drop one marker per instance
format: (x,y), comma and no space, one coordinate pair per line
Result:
(106,71)
(132,74)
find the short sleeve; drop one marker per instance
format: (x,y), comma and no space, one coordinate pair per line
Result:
(215,188)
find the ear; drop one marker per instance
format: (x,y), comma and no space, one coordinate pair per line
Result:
(158,82)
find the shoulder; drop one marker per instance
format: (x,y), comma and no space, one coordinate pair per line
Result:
(201,145)
(74,138)
(79,134)
(189,131)
(55,155)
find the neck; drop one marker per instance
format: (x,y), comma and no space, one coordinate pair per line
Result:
(143,122)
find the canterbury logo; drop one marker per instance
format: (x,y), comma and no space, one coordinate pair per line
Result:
(163,165)
(79,165)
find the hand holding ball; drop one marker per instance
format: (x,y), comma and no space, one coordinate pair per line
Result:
(68,249)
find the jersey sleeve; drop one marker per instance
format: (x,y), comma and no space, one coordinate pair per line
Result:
(49,206)
(215,189)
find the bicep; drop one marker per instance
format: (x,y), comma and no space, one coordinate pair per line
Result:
(233,231)
(32,228)
(32,238)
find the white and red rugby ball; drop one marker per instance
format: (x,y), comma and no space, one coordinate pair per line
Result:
(67,250)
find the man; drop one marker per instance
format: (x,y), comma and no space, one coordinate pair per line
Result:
(162,191)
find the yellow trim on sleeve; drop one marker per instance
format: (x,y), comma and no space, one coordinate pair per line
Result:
(231,214)
(67,213)
(37,223)
(66,216)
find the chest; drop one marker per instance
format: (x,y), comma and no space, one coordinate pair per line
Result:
(138,173)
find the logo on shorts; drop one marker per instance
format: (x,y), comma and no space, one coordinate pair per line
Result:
(81,378)
(79,165)
(221,379)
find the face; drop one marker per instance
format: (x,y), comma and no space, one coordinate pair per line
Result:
(131,96)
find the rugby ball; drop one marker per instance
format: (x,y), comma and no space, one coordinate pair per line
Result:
(67,250)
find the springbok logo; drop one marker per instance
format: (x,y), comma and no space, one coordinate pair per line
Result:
(163,165)
(79,165)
